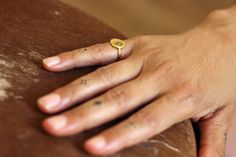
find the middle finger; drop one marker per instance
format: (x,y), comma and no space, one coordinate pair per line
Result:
(114,103)
(90,85)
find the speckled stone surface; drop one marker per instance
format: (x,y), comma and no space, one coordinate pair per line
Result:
(34,29)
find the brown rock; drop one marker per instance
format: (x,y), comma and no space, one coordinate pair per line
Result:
(34,29)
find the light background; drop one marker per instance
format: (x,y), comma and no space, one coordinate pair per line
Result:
(136,17)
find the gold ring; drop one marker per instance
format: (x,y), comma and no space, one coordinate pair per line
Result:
(118,44)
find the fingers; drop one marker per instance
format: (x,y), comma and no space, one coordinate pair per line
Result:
(151,120)
(113,104)
(214,132)
(99,54)
(89,85)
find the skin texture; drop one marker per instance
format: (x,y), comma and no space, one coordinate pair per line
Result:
(230,145)
(169,78)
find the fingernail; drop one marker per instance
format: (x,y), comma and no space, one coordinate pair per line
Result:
(52,61)
(57,122)
(97,142)
(50,101)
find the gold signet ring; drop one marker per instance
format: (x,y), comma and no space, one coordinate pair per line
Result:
(118,44)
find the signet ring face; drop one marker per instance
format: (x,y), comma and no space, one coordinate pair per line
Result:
(118,44)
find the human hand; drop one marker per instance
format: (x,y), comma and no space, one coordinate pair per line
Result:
(231,140)
(173,78)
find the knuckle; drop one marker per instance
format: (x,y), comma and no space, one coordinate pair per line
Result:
(218,15)
(158,77)
(148,53)
(139,38)
(98,47)
(190,90)
(98,52)
(118,96)
(165,67)
(105,74)
(189,95)
(148,117)
(159,71)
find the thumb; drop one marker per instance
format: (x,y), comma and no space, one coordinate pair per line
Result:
(214,132)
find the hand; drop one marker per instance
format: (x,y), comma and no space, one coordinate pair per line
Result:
(173,78)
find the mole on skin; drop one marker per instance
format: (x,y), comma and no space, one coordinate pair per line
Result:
(83,82)
(98,102)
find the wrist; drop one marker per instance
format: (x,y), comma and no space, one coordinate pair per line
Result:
(222,21)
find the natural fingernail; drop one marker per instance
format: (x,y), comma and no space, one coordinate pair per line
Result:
(50,101)
(57,122)
(52,61)
(97,142)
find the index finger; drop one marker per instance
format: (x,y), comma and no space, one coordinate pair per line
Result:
(99,54)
